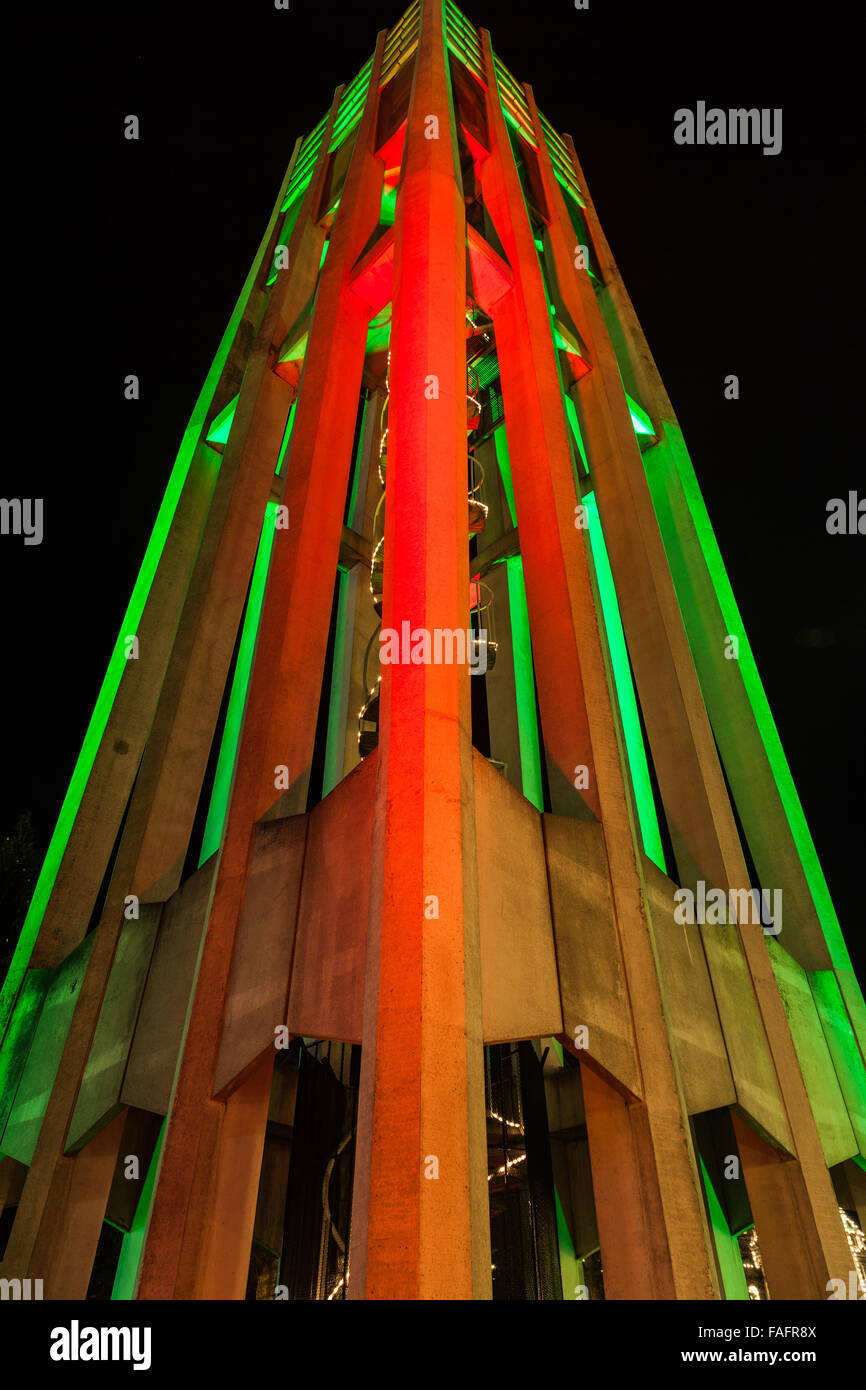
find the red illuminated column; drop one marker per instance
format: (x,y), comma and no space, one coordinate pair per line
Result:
(420,1222)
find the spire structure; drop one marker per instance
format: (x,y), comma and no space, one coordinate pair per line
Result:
(432,914)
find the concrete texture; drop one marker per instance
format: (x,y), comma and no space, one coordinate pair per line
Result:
(518,960)
(25,1118)
(279,729)
(745,1039)
(19,1036)
(697,1032)
(822,1086)
(99,1096)
(156,1044)
(259,984)
(591,978)
(415,1237)
(327,991)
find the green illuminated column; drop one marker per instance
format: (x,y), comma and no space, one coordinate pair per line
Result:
(627,700)
(62,901)
(237,700)
(133,1240)
(727,1246)
(338,704)
(524,683)
(743,725)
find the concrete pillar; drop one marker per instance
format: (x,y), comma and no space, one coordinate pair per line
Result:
(754,762)
(78,862)
(625,1183)
(579,728)
(227,1225)
(65,1262)
(47,1190)
(791,1253)
(279,729)
(420,1226)
(703,830)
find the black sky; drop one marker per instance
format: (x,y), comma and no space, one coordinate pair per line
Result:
(129,257)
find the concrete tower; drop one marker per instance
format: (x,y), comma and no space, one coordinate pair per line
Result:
(525,981)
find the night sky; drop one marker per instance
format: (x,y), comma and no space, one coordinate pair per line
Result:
(130,257)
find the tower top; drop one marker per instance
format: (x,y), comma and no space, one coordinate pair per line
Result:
(464,46)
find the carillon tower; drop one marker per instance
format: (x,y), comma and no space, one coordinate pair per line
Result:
(432,914)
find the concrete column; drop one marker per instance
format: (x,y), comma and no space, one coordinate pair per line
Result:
(420,1225)
(706,842)
(791,1253)
(755,763)
(223,565)
(82,857)
(279,729)
(228,1224)
(625,1183)
(577,715)
(66,1262)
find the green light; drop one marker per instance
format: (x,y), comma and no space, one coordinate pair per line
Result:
(569,1266)
(117,663)
(286,437)
(237,700)
(286,231)
(303,170)
(388,211)
(640,420)
(486,369)
(379,332)
(351,106)
(842,1045)
(111,684)
(335,749)
(764,720)
(500,443)
(637,761)
(133,1240)
(16,1044)
(221,426)
(524,682)
(727,1245)
(571,412)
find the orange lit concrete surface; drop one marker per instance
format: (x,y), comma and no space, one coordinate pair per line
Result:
(420,997)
